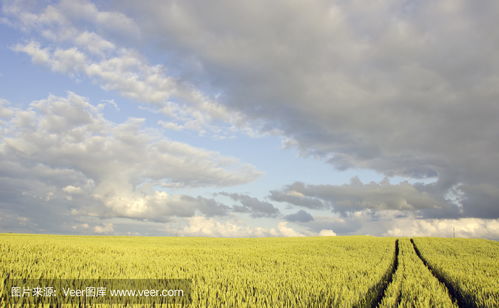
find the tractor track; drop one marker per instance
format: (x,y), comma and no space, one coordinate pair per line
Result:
(388,277)
(455,295)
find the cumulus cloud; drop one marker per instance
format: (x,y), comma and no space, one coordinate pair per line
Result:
(399,87)
(70,189)
(327,232)
(464,227)
(399,223)
(61,156)
(130,76)
(284,230)
(70,132)
(202,226)
(119,69)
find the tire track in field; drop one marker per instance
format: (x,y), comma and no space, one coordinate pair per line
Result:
(387,279)
(456,296)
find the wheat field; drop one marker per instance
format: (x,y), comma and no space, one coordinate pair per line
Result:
(357,271)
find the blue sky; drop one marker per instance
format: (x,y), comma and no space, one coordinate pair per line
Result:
(299,119)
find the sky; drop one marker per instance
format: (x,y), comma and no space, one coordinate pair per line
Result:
(250,118)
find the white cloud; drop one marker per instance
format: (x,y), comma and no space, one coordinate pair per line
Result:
(202,226)
(120,69)
(94,43)
(463,227)
(327,232)
(63,147)
(71,131)
(398,223)
(70,189)
(283,229)
(38,55)
(129,75)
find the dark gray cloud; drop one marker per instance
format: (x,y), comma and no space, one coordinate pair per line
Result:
(296,198)
(300,216)
(358,196)
(209,207)
(404,88)
(252,206)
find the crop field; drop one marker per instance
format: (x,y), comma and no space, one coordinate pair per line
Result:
(359,271)
(470,267)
